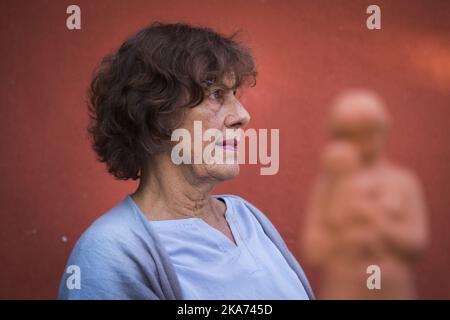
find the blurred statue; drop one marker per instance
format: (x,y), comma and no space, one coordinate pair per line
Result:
(363,210)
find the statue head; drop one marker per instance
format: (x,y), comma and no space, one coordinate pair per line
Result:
(360,117)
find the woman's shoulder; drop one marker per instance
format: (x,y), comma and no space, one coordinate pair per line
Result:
(114,225)
(113,240)
(109,253)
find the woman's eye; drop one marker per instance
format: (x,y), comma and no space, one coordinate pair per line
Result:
(216,95)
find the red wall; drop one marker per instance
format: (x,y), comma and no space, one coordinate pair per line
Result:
(52,187)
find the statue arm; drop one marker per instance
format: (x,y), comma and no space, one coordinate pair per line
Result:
(407,233)
(315,239)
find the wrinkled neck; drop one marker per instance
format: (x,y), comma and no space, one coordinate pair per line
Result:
(169,191)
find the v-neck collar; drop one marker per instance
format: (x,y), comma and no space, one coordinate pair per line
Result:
(190,222)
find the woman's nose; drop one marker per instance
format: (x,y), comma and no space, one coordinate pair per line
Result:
(238,116)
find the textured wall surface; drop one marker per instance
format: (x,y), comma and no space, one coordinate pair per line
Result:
(52,188)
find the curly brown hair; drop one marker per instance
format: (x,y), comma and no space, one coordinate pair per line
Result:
(138,94)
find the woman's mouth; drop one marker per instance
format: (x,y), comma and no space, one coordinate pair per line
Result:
(230,144)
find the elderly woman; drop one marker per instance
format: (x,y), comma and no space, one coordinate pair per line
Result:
(173,239)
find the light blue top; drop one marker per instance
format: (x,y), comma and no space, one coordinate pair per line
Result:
(211,266)
(124,255)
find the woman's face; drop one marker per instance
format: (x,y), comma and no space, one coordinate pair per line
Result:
(220,110)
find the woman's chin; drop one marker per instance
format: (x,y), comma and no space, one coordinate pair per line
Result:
(223,171)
